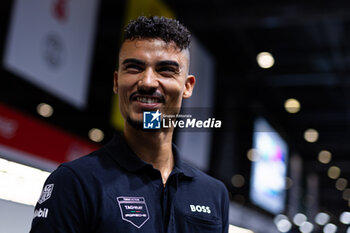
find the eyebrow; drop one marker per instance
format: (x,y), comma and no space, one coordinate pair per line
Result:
(133,60)
(168,63)
(161,63)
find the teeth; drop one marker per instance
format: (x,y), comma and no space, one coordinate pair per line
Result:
(147,100)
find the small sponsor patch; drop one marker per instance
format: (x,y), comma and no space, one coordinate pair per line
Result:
(46,193)
(133,210)
(41,213)
(200,209)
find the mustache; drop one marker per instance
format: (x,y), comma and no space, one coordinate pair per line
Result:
(148,93)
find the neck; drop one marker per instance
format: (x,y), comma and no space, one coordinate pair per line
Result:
(153,147)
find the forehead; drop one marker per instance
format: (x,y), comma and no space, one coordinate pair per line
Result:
(152,50)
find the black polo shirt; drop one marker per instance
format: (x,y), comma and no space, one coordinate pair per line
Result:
(111,190)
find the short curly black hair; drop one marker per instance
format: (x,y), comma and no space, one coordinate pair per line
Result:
(166,29)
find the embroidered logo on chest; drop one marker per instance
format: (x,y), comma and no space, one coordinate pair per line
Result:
(133,210)
(200,209)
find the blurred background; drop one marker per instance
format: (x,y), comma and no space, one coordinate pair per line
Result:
(275,73)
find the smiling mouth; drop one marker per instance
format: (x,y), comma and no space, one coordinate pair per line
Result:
(147,100)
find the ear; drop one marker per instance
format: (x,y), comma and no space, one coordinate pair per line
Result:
(115,82)
(189,85)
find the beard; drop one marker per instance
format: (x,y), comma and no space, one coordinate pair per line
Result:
(135,123)
(138,125)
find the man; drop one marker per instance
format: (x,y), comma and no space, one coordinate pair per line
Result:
(137,182)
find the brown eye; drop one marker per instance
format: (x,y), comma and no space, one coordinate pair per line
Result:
(133,68)
(167,71)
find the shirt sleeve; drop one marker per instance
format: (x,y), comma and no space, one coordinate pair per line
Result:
(225,209)
(62,206)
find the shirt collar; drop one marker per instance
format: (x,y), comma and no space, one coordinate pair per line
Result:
(121,153)
(180,165)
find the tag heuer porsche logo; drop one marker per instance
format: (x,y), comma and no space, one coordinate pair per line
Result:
(133,210)
(46,193)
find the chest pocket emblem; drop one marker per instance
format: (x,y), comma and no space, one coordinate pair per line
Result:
(133,210)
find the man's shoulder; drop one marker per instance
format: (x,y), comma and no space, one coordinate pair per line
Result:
(92,159)
(203,178)
(95,162)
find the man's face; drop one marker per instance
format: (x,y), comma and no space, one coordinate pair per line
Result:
(152,75)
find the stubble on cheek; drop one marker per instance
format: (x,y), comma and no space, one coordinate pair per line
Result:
(135,123)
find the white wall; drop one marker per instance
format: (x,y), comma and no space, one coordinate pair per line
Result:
(15,217)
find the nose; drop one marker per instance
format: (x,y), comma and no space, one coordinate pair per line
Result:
(148,80)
